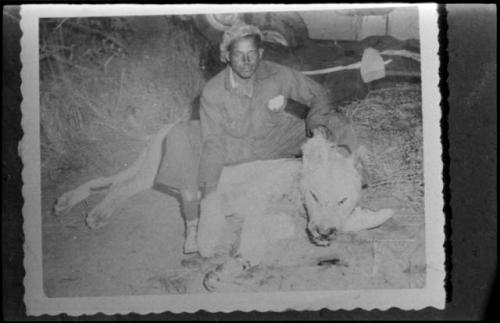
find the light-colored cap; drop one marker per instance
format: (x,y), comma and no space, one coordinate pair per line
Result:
(235,32)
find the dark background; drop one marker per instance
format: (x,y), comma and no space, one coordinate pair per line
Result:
(468,32)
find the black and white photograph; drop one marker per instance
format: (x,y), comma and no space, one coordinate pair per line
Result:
(231,158)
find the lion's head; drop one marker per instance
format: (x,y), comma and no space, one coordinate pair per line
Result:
(331,187)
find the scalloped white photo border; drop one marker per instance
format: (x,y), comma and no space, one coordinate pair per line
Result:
(37,303)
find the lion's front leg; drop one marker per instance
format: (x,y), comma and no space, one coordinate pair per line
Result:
(254,238)
(258,232)
(253,244)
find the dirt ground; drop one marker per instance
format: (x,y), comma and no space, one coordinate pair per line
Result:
(140,252)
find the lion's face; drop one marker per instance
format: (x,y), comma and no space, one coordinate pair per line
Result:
(331,187)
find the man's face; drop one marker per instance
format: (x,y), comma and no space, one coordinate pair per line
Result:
(244,57)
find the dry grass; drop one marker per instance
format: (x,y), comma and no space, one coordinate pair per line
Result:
(389,124)
(108,83)
(99,100)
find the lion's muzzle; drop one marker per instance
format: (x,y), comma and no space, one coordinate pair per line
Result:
(320,235)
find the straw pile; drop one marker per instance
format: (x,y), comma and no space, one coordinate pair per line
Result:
(108,83)
(389,124)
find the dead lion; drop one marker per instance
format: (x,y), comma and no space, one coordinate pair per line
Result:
(327,179)
(329,185)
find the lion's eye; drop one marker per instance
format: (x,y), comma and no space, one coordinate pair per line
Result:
(342,201)
(314,196)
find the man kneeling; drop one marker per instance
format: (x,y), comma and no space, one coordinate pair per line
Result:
(245,115)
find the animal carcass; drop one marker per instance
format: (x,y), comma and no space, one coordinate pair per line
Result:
(328,184)
(326,179)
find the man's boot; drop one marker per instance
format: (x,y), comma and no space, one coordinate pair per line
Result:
(190,244)
(191,212)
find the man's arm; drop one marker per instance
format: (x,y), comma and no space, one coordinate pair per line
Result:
(213,151)
(308,92)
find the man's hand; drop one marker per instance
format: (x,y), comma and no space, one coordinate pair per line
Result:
(321,131)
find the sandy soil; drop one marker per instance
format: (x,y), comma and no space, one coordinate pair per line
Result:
(140,252)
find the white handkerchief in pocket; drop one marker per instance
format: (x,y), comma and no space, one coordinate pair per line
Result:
(276,103)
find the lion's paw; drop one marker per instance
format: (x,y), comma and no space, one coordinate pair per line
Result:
(63,202)
(364,219)
(225,273)
(97,218)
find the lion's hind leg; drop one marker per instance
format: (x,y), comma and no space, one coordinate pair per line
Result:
(73,197)
(99,215)
(137,177)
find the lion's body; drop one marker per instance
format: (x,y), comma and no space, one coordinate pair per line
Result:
(326,182)
(250,191)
